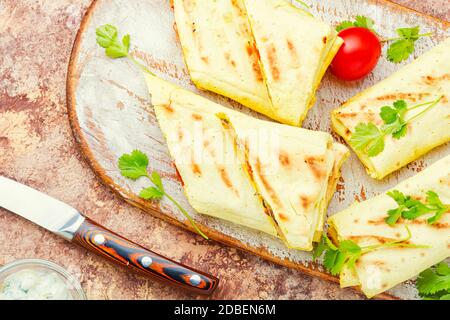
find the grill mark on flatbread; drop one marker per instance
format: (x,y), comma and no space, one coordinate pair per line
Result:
(413,96)
(196,169)
(175,29)
(240,10)
(180,134)
(284,159)
(254,56)
(197,116)
(437,225)
(273,61)
(324,40)
(283,217)
(227,56)
(266,184)
(293,52)
(304,201)
(226,179)
(168,108)
(377,238)
(432,81)
(315,164)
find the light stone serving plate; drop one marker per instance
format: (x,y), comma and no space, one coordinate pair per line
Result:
(111,113)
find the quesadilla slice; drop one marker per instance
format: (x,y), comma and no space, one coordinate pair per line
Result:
(219,51)
(215,182)
(416,97)
(267,176)
(366,224)
(218,43)
(295,49)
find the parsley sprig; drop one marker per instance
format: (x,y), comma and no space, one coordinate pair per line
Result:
(347,252)
(370,139)
(410,208)
(134,166)
(360,21)
(434,283)
(107,37)
(401,47)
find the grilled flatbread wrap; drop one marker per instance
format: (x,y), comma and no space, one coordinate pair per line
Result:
(220,52)
(424,80)
(364,224)
(295,50)
(263,175)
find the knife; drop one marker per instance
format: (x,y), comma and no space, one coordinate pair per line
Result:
(70,224)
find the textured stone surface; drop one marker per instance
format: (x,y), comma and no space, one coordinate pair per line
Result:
(37,148)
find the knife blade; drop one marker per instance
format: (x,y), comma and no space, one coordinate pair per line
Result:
(67,222)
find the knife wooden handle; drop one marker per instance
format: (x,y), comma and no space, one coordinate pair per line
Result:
(102,241)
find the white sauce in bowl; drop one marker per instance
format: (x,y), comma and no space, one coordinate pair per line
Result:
(31,284)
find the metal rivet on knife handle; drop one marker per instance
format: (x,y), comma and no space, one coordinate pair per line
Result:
(146,261)
(195,280)
(99,239)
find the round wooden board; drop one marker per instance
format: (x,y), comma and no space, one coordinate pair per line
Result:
(110,113)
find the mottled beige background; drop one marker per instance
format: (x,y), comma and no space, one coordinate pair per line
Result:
(37,148)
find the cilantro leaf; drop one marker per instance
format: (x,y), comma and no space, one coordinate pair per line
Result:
(370,139)
(400,50)
(393,118)
(409,33)
(403,46)
(320,248)
(364,22)
(344,25)
(133,165)
(434,283)
(347,252)
(400,131)
(410,209)
(151,193)
(360,21)
(435,203)
(329,260)
(107,37)
(394,215)
(367,137)
(336,257)
(389,114)
(156,179)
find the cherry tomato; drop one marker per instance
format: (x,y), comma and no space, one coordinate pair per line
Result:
(359,54)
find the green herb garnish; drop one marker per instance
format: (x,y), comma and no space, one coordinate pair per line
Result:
(410,209)
(347,252)
(360,21)
(370,139)
(434,283)
(401,47)
(134,166)
(107,37)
